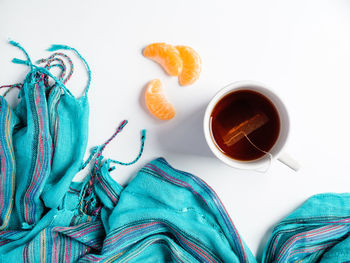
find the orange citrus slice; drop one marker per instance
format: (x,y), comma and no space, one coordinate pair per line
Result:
(191,65)
(156,101)
(166,55)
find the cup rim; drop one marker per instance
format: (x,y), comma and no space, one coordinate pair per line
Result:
(243,85)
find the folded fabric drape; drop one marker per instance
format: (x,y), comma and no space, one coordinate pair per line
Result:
(318,231)
(162,215)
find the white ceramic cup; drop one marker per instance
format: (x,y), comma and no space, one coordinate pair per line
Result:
(277,149)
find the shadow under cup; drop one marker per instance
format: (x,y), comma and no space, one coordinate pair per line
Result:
(283,129)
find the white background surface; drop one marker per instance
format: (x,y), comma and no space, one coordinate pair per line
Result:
(300,48)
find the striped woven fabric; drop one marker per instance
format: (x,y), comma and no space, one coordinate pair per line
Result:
(318,231)
(8,120)
(184,222)
(162,215)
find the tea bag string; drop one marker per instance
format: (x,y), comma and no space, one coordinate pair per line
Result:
(261,150)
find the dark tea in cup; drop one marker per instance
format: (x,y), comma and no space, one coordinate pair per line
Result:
(244,125)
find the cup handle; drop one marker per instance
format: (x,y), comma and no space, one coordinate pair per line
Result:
(286,159)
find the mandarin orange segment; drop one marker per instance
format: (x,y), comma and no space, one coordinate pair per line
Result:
(166,55)
(156,101)
(191,65)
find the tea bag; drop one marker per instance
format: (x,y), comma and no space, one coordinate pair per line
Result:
(245,128)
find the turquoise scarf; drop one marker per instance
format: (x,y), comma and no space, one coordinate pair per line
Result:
(318,231)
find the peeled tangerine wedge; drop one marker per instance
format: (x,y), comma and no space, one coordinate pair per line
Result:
(166,55)
(156,101)
(191,65)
